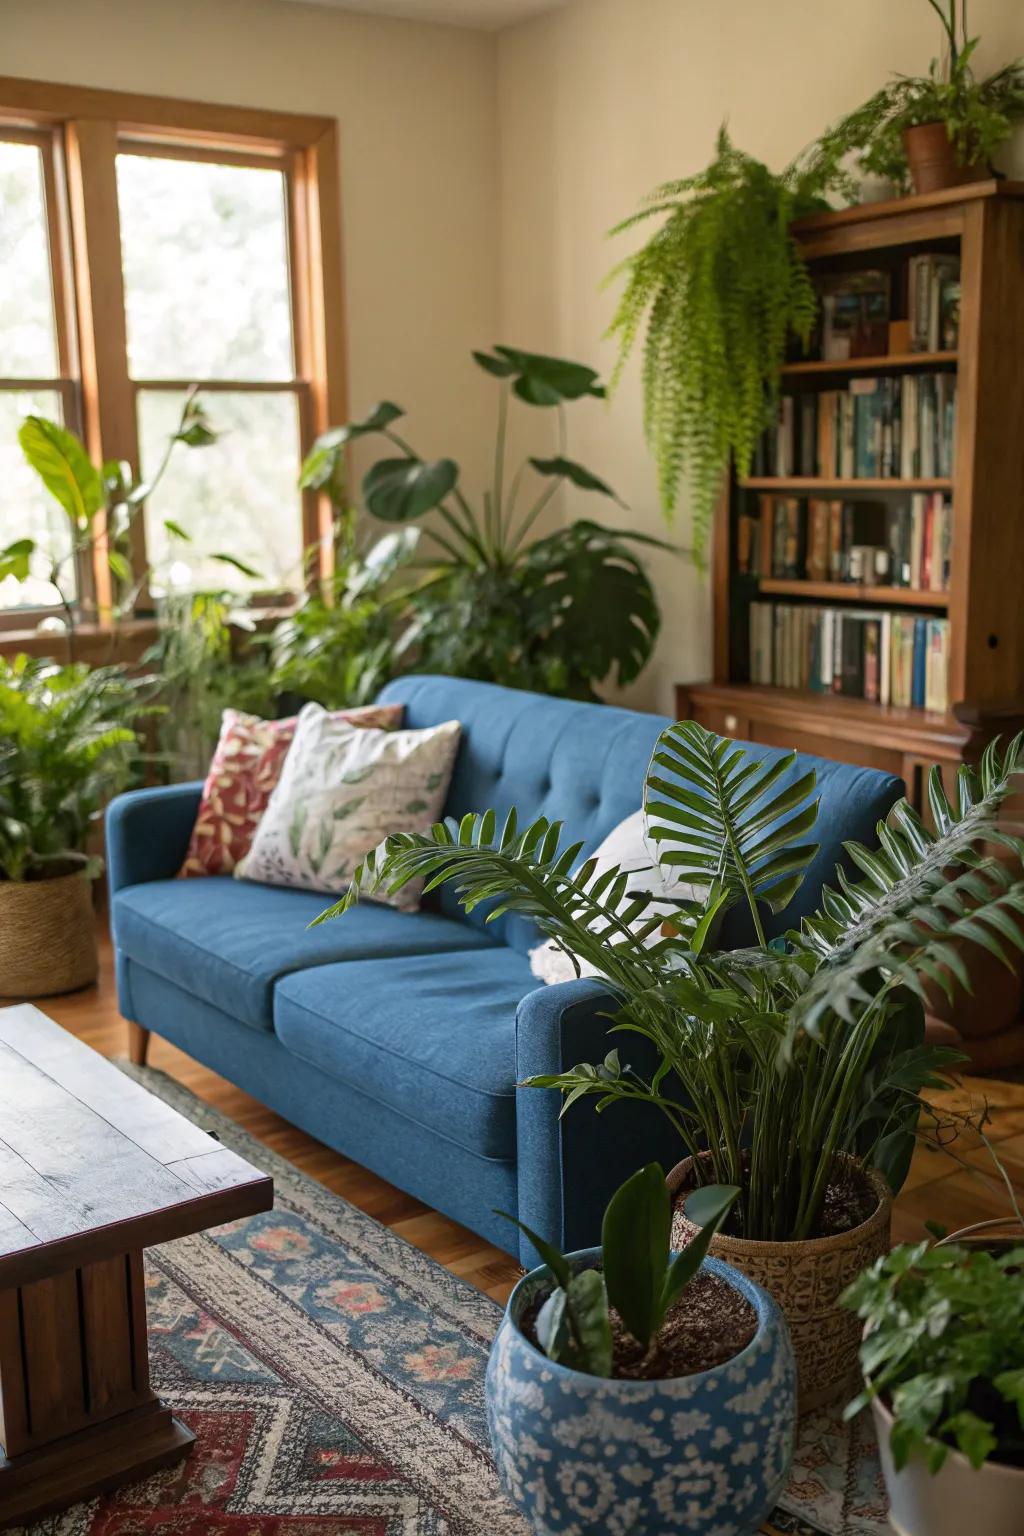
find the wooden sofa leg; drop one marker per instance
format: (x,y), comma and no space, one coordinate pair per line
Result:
(138,1043)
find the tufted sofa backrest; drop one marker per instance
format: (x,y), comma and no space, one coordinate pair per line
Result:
(585,764)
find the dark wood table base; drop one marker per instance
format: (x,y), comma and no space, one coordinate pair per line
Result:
(77,1414)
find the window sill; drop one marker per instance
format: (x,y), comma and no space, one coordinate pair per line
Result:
(94,643)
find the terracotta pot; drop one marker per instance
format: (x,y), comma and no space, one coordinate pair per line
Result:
(47,936)
(806,1279)
(956,1499)
(932,160)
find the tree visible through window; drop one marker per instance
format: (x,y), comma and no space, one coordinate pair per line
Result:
(30,371)
(207,301)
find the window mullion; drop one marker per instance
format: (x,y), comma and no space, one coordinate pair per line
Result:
(108,398)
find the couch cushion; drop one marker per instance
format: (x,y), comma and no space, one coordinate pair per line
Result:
(431,1036)
(228,942)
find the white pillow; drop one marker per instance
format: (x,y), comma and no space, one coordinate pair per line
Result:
(342,790)
(626,846)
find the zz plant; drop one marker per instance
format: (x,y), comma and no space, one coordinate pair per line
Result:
(637,1277)
(557,613)
(775,1058)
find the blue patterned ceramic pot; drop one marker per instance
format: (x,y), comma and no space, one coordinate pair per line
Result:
(704,1455)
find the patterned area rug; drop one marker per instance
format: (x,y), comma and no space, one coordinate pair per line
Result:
(333,1376)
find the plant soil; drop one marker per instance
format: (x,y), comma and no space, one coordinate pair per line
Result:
(849,1201)
(709,1324)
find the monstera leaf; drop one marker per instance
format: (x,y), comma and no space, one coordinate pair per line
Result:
(398,490)
(540,380)
(577,474)
(592,600)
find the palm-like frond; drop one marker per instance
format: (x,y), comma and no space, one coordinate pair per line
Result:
(592,913)
(923,891)
(717,815)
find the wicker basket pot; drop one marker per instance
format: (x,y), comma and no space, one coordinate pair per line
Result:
(806,1278)
(47,936)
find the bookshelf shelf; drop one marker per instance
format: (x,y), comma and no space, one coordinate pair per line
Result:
(978,624)
(890,362)
(852,592)
(815,483)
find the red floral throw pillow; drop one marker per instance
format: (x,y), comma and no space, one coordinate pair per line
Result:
(245,768)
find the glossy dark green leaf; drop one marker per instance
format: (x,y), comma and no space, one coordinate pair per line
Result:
(635,1250)
(587,1304)
(400,490)
(706,1208)
(555,1261)
(539,379)
(568,469)
(377,420)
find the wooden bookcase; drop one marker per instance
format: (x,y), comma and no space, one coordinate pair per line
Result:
(984,222)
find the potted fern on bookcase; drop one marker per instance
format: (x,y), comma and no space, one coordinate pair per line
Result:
(792,1070)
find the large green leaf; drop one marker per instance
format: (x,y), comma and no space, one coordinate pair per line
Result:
(64,467)
(568,469)
(635,1250)
(400,490)
(716,813)
(592,599)
(324,465)
(538,379)
(707,1208)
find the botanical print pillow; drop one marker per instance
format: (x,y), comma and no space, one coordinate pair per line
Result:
(342,790)
(625,846)
(246,765)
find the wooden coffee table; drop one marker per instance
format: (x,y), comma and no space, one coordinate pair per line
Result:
(93,1168)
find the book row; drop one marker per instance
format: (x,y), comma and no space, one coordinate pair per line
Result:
(870,542)
(875,428)
(857,309)
(886,658)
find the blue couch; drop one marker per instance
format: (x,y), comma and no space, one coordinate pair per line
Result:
(399,1039)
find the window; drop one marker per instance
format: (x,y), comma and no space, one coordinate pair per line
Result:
(206,253)
(207,302)
(34,354)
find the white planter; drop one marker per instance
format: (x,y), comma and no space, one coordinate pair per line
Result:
(956,1500)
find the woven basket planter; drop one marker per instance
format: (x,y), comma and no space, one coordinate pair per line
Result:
(47,936)
(806,1279)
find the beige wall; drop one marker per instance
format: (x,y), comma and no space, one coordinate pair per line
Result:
(603,100)
(416,106)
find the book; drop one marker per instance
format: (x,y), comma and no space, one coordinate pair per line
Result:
(855,309)
(866,542)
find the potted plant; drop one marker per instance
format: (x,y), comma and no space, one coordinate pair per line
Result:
(792,1069)
(943,127)
(629,1387)
(556,614)
(943,1363)
(721,292)
(66,745)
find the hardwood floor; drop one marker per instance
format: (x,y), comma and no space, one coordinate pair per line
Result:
(937,1189)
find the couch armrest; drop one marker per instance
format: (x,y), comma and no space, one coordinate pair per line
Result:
(568,1167)
(148,832)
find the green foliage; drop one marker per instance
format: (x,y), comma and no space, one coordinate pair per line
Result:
(102,501)
(203,669)
(773,1060)
(979,115)
(339,648)
(638,1278)
(722,288)
(67,744)
(945,1349)
(556,614)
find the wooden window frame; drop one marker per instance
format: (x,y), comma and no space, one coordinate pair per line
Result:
(85,129)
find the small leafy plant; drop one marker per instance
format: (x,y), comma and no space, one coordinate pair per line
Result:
(556,614)
(67,744)
(102,504)
(945,1350)
(979,115)
(638,1277)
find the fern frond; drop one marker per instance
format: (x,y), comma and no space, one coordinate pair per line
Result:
(716,815)
(592,913)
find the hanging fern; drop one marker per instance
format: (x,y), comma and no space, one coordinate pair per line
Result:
(723,287)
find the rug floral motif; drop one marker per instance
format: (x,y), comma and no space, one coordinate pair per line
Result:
(333,1376)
